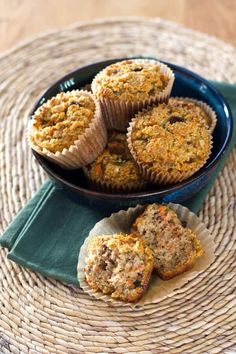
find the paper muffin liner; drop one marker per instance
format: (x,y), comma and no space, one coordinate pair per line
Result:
(158,289)
(117,113)
(84,150)
(162,178)
(108,187)
(206,108)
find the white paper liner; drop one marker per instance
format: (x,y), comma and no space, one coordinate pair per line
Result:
(117,113)
(162,178)
(206,108)
(158,289)
(85,149)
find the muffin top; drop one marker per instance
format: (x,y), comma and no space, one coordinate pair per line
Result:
(119,265)
(59,122)
(183,108)
(130,80)
(115,165)
(176,110)
(169,144)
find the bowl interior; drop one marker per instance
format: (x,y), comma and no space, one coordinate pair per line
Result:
(186,84)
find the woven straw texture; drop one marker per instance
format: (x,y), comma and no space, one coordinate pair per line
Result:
(39,315)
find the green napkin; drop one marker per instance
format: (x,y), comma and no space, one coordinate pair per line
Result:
(47,234)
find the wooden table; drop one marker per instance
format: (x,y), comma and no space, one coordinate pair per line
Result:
(22,19)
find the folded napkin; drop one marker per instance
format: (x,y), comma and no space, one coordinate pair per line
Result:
(47,234)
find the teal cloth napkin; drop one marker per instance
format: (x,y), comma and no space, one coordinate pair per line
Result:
(47,234)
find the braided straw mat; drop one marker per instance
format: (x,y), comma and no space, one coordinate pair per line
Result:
(39,315)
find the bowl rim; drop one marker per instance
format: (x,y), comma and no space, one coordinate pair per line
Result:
(137,195)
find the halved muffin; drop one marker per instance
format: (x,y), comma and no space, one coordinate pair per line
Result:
(119,265)
(175,248)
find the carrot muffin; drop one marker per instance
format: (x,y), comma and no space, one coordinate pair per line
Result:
(133,80)
(115,169)
(175,248)
(119,265)
(168,148)
(59,122)
(65,122)
(125,87)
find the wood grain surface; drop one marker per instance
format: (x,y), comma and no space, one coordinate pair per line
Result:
(22,19)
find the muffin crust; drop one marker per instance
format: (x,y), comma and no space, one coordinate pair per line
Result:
(169,144)
(182,108)
(130,80)
(115,166)
(59,122)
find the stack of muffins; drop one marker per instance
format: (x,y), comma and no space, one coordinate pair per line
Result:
(127,133)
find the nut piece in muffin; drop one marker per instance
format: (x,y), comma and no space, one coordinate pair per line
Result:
(115,169)
(119,265)
(175,248)
(126,87)
(59,122)
(168,148)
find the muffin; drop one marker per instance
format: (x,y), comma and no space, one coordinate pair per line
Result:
(126,87)
(68,129)
(191,109)
(119,265)
(168,148)
(114,170)
(175,248)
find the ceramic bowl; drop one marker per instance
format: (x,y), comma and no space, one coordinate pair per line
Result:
(186,84)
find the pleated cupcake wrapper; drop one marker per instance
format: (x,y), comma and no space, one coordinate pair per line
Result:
(159,177)
(206,108)
(158,289)
(117,113)
(84,150)
(108,187)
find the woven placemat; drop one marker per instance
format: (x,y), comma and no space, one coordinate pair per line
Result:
(39,315)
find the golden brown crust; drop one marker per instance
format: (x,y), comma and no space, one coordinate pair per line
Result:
(130,80)
(182,109)
(59,122)
(171,147)
(115,168)
(119,265)
(175,248)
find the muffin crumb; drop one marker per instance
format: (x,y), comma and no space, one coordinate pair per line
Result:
(175,248)
(119,265)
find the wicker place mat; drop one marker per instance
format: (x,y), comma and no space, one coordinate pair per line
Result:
(39,315)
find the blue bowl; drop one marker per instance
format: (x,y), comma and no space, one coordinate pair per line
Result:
(186,84)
